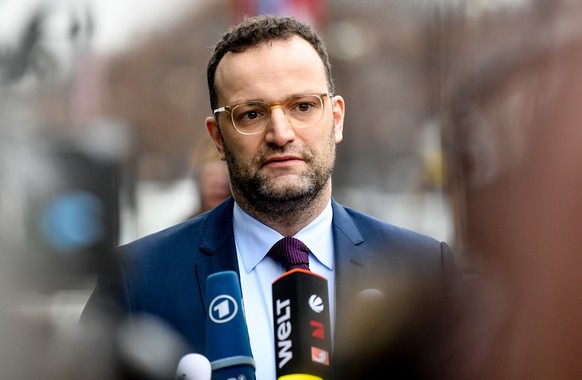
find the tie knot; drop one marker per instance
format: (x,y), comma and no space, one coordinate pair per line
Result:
(291,253)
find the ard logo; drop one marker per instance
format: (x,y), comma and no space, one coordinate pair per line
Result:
(222,309)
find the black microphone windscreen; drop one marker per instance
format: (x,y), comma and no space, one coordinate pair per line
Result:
(301,316)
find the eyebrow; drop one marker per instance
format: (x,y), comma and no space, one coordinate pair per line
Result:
(263,100)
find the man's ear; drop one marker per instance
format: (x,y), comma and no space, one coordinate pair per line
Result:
(214,132)
(339,111)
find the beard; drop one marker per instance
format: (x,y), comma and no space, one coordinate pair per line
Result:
(262,194)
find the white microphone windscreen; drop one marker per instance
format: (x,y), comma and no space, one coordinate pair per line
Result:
(194,367)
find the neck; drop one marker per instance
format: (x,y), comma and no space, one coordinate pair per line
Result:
(290,216)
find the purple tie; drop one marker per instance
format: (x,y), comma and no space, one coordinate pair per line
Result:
(291,253)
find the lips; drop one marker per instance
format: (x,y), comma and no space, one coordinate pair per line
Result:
(282,160)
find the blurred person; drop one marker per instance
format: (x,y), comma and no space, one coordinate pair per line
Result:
(276,123)
(213,185)
(211,177)
(516,149)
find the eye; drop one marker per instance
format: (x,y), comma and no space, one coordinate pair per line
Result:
(249,113)
(304,104)
(304,107)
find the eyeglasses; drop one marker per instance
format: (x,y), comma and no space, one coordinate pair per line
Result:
(252,117)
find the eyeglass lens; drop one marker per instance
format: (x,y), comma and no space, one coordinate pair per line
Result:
(302,112)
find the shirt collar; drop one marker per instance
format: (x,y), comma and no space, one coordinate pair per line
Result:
(254,239)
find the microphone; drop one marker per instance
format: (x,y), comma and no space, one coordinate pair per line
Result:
(227,339)
(194,367)
(301,318)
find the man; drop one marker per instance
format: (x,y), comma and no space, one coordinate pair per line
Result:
(276,123)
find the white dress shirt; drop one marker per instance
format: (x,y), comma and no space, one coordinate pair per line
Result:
(257,271)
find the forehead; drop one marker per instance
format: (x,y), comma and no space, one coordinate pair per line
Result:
(271,70)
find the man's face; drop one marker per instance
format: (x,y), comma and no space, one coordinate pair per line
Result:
(281,163)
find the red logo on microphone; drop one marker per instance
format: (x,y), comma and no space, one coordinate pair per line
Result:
(318,331)
(319,356)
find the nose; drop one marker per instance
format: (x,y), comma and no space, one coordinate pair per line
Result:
(279,131)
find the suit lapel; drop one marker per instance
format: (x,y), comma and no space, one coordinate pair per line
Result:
(352,266)
(217,243)
(350,255)
(351,263)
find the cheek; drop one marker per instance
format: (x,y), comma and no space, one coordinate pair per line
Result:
(321,144)
(243,148)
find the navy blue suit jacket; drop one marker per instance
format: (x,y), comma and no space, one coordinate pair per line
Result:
(164,274)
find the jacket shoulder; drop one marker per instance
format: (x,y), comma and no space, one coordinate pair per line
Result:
(373,229)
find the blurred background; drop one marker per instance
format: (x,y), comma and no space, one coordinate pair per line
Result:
(102,138)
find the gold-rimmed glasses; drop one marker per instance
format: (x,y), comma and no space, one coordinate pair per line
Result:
(251,118)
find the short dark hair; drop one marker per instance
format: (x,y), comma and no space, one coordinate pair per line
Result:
(252,31)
